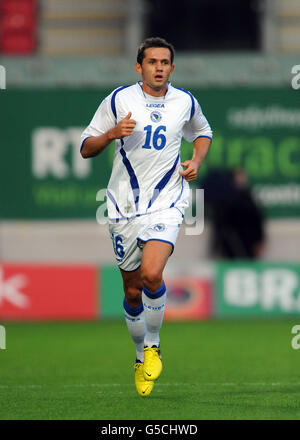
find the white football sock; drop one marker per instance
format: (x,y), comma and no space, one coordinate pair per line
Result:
(135,321)
(154,306)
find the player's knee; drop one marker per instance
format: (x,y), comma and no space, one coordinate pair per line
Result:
(133,296)
(151,278)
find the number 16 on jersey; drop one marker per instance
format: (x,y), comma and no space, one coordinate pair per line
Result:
(158,139)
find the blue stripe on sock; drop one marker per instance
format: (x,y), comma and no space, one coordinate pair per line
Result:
(133,311)
(157,294)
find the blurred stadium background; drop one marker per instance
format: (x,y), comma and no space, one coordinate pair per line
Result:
(61,58)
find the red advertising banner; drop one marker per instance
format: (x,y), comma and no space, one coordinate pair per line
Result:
(188,298)
(39,292)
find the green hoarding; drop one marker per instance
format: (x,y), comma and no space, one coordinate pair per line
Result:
(43,175)
(111,292)
(257,289)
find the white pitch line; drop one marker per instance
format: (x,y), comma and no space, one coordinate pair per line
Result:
(106,385)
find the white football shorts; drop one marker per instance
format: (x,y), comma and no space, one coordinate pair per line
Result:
(128,236)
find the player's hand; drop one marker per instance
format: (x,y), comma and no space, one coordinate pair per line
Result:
(124,127)
(190,173)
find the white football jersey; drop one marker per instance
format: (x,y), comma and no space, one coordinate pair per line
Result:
(145,175)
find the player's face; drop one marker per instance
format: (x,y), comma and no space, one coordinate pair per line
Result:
(155,69)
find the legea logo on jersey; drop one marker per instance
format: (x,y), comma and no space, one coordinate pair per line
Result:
(155,116)
(156,105)
(159,227)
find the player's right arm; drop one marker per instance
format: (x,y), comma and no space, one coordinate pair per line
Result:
(94,145)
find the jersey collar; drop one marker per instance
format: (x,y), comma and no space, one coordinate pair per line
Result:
(139,84)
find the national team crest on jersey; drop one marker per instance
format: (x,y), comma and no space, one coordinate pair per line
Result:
(159,227)
(155,116)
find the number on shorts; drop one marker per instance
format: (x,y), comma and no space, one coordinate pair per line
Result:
(118,248)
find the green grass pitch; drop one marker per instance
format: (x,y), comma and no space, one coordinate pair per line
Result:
(223,369)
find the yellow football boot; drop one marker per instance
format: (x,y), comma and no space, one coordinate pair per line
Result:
(143,387)
(152,363)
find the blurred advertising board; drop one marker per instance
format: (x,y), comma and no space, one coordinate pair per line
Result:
(46,292)
(43,175)
(83,292)
(266,289)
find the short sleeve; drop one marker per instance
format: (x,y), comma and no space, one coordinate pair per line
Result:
(197,126)
(103,120)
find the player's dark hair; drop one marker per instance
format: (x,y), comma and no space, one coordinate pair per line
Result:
(154,42)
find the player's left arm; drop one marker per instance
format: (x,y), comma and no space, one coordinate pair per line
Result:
(201,146)
(198,131)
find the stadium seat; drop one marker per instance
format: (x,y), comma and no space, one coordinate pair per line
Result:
(18,26)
